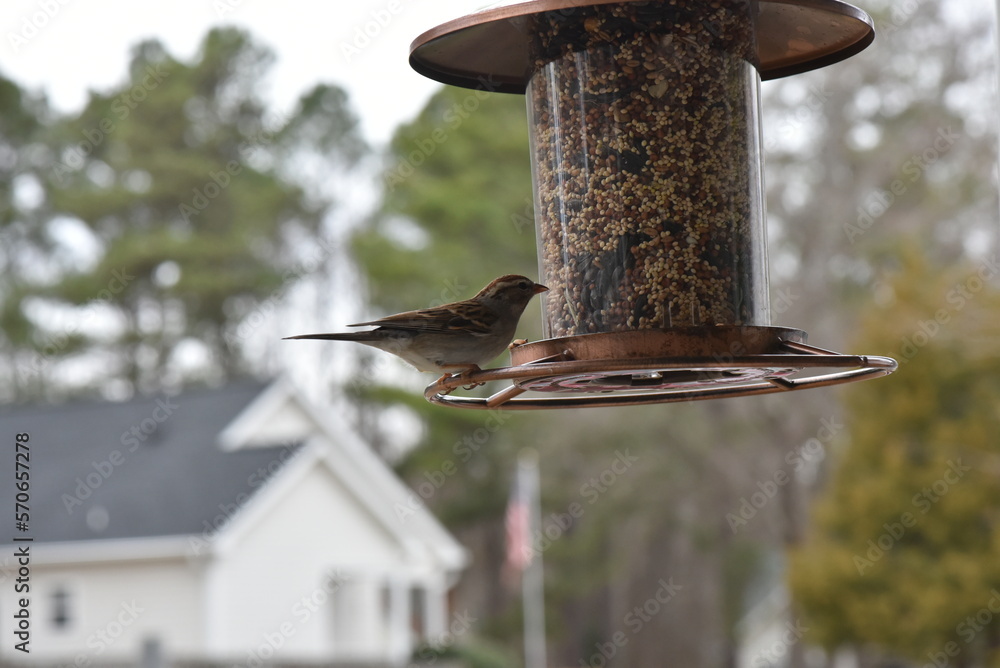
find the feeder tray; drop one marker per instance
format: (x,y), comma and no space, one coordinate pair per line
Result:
(659,366)
(647,166)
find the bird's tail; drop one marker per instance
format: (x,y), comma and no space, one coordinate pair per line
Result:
(340,336)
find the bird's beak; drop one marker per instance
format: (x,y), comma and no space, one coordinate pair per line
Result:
(540,288)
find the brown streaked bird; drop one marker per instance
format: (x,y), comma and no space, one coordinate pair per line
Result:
(457,337)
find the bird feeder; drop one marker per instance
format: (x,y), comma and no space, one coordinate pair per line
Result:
(648,197)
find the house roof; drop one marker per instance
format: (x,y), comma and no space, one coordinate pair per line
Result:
(140,479)
(148,467)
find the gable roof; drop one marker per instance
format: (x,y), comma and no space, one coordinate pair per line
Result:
(281,412)
(143,478)
(148,467)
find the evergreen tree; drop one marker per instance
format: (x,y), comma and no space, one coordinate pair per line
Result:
(903,555)
(179,184)
(26,252)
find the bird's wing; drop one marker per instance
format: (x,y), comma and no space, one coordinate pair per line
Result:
(468,316)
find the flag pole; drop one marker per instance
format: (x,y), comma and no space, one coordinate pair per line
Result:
(532,579)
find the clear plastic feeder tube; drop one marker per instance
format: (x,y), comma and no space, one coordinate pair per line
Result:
(646,156)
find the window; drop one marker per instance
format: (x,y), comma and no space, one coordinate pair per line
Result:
(61,617)
(418,608)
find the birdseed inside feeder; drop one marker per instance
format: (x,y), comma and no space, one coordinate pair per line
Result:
(647,168)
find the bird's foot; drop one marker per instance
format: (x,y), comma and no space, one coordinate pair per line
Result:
(463,375)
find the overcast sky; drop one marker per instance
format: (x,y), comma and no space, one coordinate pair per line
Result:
(66,47)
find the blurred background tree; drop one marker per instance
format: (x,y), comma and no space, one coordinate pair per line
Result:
(902,557)
(169,211)
(905,129)
(23,243)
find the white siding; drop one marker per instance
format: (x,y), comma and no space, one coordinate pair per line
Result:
(113,608)
(315,551)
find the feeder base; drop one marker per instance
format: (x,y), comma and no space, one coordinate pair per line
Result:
(685,364)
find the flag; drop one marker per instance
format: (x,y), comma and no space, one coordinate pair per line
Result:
(517,523)
(522,519)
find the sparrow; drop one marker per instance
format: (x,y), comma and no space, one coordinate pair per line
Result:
(457,337)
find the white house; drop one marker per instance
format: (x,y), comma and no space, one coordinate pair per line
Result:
(236,525)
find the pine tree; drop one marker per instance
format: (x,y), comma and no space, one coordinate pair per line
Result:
(177,188)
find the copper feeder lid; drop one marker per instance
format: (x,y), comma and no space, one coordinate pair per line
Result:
(489,49)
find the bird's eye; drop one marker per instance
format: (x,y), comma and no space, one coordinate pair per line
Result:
(524,285)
